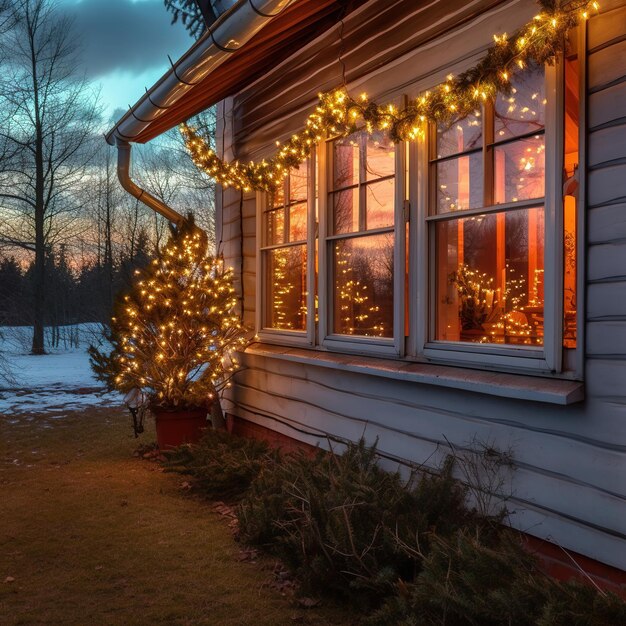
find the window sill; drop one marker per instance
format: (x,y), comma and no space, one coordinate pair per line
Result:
(533,388)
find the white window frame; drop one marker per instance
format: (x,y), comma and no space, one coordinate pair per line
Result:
(546,358)
(376,346)
(412,189)
(275,335)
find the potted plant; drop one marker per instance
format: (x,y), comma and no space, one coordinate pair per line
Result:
(478,300)
(491,315)
(173,337)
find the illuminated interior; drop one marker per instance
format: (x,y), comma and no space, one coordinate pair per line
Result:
(570,197)
(489,266)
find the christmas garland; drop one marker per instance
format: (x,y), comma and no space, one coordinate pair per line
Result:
(339,114)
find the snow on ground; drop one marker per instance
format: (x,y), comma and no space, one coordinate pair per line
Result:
(58,381)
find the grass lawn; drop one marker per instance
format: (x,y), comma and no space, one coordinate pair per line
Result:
(91,535)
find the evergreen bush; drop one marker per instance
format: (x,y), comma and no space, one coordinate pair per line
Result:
(411,550)
(220,465)
(175,333)
(485,577)
(340,520)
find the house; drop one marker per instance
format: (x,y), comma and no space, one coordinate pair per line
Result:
(466,284)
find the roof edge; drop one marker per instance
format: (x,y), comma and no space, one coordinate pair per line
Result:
(230,32)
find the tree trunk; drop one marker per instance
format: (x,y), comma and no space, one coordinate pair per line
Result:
(39,276)
(215,410)
(39,291)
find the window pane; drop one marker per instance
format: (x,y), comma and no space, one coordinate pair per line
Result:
(298,183)
(286,288)
(275,221)
(380,203)
(345,211)
(489,278)
(460,183)
(346,161)
(519,170)
(276,198)
(297,221)
(460,135)
(523,110)
(379,156)
(363,286)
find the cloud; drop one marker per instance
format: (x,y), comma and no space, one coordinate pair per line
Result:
(123,35)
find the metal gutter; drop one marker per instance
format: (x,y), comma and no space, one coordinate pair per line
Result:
(233,29)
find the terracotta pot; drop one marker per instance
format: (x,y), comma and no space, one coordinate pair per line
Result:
(180,426)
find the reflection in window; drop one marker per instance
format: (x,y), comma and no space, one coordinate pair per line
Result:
(523,110)
(363,185)
(460,183)
(489,278)
(519,170)
(286,288)
(361,200)
(457,149)
(363,286)
(285,253)
(460,136)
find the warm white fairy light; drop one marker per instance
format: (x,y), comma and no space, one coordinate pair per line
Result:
(339,114)
(177,329)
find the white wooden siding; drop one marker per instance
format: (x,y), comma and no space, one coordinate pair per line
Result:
(570,480)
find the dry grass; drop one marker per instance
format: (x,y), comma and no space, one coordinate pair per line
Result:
(91,535)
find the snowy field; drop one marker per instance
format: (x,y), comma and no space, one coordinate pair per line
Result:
(58,381)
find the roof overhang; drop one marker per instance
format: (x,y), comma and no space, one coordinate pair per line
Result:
(244,42)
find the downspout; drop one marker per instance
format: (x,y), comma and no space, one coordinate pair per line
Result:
(123,173)
(235,26)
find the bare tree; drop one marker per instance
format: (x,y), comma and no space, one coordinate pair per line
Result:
(165,168)
(47,138)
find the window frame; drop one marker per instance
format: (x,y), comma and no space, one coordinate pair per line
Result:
(546,358)
(413,189)
(359,344)
(277,335)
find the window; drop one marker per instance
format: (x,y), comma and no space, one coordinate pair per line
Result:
(361,203)
(360,244)
(488,220)
(495,223)
(285,263)
(490,278)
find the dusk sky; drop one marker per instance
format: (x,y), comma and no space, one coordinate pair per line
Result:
(125,43)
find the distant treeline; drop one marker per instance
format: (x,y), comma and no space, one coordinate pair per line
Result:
(73,295)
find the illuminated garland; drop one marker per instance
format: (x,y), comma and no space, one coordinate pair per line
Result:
(338,114)
(175,332)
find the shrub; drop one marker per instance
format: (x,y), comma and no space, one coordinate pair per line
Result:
(340,521)
(577,604)
(221,465)
(348,527)
(486,578)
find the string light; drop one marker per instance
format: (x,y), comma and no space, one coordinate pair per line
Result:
(176,331)
(498,313)
(338,114)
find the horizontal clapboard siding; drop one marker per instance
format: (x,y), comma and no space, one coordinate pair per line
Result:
(606,223)
(417,423)
(276,105)
(569,483)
